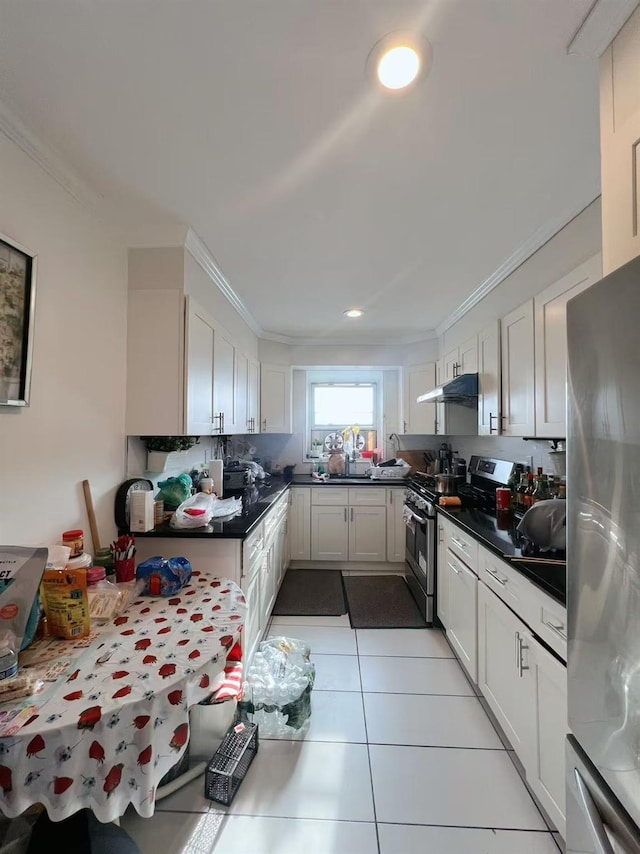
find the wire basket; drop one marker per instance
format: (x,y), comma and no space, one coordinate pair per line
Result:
(231,762)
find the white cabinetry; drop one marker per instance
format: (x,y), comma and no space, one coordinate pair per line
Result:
(199,373)
(275,398)
(348,524)
(489,380)
(461,360)
(518,398)
(224,383)
(442,581)
(329,533)
(300,523)
(545,763)
(253,396)
(396,529)
(620,146)
(462,613)
(503,675)
(551,347)
(419,418)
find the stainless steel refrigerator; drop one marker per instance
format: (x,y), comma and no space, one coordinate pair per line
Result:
(603,569)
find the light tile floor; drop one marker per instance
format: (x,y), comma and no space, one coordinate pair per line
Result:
(399,758)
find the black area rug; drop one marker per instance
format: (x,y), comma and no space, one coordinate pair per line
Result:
(381,602)
(311,593)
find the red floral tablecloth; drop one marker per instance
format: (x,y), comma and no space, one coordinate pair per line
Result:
(117,718)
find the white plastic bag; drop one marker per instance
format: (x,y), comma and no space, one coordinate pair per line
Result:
(195,512)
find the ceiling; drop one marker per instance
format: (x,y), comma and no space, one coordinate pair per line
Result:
(256,124)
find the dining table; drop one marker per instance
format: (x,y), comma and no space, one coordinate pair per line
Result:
(109,714)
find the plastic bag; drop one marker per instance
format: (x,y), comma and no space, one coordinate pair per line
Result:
(20,573)
(279,684)
(195,512)
(164,576)
(174,490)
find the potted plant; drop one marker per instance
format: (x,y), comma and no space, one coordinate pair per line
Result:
(162,450)
(316,448)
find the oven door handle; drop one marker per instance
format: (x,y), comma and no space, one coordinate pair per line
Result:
(409,512)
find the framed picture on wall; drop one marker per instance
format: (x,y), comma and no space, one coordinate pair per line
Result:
(17,302)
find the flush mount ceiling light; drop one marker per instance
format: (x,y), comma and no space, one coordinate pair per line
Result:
(353,312)
(398,61)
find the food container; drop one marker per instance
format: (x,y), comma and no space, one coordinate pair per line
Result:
(74,540)
(503,498)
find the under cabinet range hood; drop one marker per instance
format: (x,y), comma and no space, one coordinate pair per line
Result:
(462,390)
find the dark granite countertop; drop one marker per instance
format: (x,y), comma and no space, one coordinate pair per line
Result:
(256,503)
(505,542)
(307,480)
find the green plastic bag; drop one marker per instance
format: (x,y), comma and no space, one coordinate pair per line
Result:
(174,490)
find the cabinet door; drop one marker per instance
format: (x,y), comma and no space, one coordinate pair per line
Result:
(469,356)
(620,146)
(329,533)
(275,398)
(489,380)
(224,381)
(251,633)
(451,364)
(505,683)
(242,393)
(545,762)
(551,347)
(199,373)
(300,523)
(396,536)
(439,372)
(442,581)
(462,629)
(368,533)
(419,418)
(253,397)
(518,401)
(267,585)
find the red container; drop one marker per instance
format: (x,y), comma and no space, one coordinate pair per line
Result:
(125,570)
(503,498)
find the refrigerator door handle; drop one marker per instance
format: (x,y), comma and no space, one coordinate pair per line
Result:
(596,827)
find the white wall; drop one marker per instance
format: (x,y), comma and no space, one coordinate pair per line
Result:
(74,427)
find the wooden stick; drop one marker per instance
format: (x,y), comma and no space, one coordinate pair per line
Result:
(91,514)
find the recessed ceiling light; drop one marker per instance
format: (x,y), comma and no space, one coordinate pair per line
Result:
(353,312)
(398,67)
(398,61)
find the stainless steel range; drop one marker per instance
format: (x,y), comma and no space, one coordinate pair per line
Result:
(420,544)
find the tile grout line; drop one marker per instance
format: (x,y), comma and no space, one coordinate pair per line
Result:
(366,735)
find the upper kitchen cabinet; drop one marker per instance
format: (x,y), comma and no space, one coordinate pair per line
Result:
(419,418)
(275,398)
(461,360)
(253,396)
(620,146)
(518,372)
(489,423)
(225,390)
(551,347)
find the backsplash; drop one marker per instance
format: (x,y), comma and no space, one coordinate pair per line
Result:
(509,448)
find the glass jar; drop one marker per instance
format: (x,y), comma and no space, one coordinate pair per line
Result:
(104,557)
(74,540)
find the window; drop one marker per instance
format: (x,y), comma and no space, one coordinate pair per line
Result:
(339,400)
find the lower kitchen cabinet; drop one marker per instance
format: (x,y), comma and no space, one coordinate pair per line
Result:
(462,612)
(299,523)
(367,533)
(442,581)
(503,674)
(545,762)
(329,533)
(396,528)
(252,633)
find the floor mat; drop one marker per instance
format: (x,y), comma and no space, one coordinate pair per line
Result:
(311,593)
(381,602)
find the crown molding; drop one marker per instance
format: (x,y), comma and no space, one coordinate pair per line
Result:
(200,252)
(47,159)
(604,21)
(516,259)
(377,341)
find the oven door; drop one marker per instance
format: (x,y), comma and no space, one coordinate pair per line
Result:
(420,547)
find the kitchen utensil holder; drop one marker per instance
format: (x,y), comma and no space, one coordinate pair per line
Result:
(231,762)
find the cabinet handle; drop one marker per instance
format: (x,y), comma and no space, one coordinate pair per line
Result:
(596,825)
(493,418)
(436,425)
(404,426)
(352,514)
(521,647)
(457,571)
(391,496)
(557,629)
(440,534)
(264,424)
(459,543)
(495,576)
(345,514)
